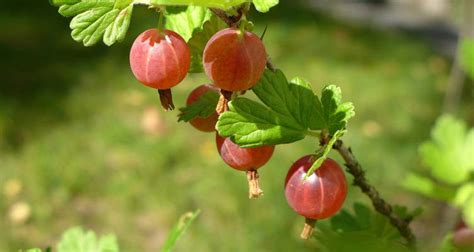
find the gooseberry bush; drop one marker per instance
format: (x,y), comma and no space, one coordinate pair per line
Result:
(215,38)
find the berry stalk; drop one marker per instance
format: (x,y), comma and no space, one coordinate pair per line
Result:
(166,99)
(224,99)
(308,228)
(254,184)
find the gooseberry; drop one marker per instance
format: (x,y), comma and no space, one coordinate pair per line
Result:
(318,197)
(245,159)
(161,60)
(207,124)
(234,59)
(463,237)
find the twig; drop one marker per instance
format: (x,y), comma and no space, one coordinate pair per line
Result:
(352,165)
(355,169)
(229,20)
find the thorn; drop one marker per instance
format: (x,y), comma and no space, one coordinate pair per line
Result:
(264,32)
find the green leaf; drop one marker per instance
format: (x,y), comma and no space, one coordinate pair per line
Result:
(179,229)
(403,212)
(346,222)
(58,3)
(97,19)
(199,39)
(428,188)
(264,5)
(304,105)
(118,29)
(449,152)
(324,153)
(251,124)
(447,244)
(185,20)
(293,101)
(332,114)
(288,110)
(362,230)
(364,219)
(465,201)
(109,20)
(466,50)
(221,4)
(204,107)
(78,240)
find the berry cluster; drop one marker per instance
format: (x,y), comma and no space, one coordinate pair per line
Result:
(234,60)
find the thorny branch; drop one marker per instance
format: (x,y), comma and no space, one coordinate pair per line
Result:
(355,169)
(353,166)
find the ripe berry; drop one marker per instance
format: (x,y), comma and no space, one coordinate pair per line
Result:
(320,196)
(207,124)
(245,159)
(463,237)
(160,60)
(234,60)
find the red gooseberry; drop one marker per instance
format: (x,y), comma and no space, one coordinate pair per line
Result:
(245,159)
(234,59)
(207,124)
(161,60)
(320,196)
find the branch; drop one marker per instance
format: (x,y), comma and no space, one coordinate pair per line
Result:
(231,21)
(354,168)
(352,165)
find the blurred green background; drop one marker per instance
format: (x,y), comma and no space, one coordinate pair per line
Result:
(82,143)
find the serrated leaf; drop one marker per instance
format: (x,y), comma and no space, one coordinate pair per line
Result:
(403,212)
(221,4)
(291,100)
(305,100)
(331,113)
(97,19)
(290,108)
(251,124)
(264,5)
(447,244)
(117,31)
(179,229)
(58,3)
(324,153)
(78,240)
(466,50)
(449,153)
(363,215)
(427,187)
(204,107)
(199,39)
(362,230)
(185,20)
(346,222)
(364,219)
(355,241)
(465,201)
(31,250)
